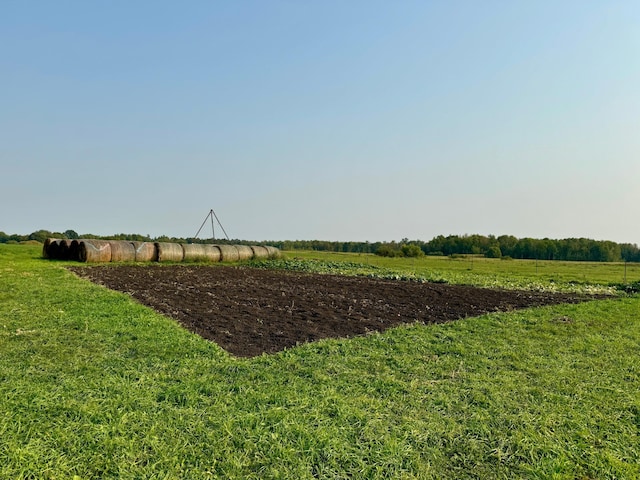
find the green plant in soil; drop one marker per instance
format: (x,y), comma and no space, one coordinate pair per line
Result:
(93,385)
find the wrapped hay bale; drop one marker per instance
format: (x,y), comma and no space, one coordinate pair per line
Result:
(122,251)
(94,251)
(244,252)
(197,252)
(145,251)
(228,253)
(259,252)
(169,252)
(50,248)
(273,252)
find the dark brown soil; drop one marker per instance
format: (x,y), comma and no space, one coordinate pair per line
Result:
(249,311)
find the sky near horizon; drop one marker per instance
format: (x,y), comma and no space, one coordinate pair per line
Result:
(344,121)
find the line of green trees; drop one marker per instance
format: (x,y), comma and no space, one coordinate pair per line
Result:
(570,249)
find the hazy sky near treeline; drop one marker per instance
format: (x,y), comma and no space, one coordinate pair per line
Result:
(333,120)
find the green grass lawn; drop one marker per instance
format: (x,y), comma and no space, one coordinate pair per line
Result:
(93,385)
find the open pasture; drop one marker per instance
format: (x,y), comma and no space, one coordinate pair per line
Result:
(481,271)
(96,385)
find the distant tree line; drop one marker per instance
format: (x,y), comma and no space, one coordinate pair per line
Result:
(569,249)
(504,246)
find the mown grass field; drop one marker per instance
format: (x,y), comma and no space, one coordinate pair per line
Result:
(93,385)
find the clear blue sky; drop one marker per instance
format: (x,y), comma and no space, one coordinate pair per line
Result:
(333,120)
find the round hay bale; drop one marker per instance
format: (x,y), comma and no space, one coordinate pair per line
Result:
(50,248)
(213,253)
(198,252)
(64,249)
(228,253)
(260,253)
(54,250)
(244,252)
(273,251)
(169,252)
(74,250)
(122,251)
(94,251)
(145,251)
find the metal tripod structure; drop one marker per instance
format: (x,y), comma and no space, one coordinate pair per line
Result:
(212,215)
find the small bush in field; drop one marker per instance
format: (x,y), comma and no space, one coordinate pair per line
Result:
(388,251)
(411,250)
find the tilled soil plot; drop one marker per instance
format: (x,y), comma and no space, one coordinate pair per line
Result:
(248,311)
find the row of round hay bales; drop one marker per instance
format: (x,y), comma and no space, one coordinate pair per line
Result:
(90,250)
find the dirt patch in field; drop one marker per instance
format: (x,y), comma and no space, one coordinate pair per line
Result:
(249,311)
